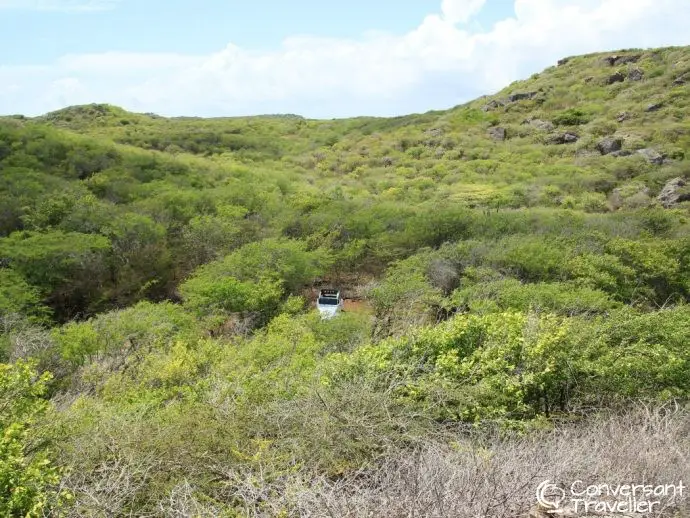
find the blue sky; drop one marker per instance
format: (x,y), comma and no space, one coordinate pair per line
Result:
(320,59)
(29,36)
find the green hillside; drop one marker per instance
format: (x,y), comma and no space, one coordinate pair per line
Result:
(519,261)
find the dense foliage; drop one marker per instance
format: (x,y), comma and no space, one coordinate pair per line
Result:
(156,332)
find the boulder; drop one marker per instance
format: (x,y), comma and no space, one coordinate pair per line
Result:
(615,78)
(563,138)
(521,96)
(542,125)
(675,191)
(623,116)
(609,145)
(654,107)
(652,156)
(497,133)
(539,124)
(621,60)
(635,75)
(621,152)
(492,105)
(630,58)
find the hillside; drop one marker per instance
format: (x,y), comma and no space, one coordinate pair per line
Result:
(522,261)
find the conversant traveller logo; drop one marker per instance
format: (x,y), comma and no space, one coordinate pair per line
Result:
(584,498)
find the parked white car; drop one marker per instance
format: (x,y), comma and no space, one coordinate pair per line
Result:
(329,303)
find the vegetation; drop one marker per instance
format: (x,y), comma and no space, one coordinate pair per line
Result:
(158,351)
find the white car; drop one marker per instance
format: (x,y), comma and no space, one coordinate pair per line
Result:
(329,303)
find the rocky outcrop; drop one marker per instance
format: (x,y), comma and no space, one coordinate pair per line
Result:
(621,152)
(497,133)
(636,75)
(680,80)
(493,104)
(615,59)
(563,138)
(652,156)
(675,191)
(609,145)
(521,96)
(654,107)
(512,98)
(615,78)
(539,124)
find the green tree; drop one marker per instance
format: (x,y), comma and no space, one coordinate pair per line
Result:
(28,479)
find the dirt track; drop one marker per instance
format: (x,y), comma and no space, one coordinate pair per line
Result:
(358,306)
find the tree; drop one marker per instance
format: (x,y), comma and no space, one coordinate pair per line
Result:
(68,267)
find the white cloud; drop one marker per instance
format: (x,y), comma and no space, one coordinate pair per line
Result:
(460,11)
(59,5)
(439,64)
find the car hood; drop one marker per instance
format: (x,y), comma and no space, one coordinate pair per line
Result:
(327,312)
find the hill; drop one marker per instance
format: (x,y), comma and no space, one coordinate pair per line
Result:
(525,256)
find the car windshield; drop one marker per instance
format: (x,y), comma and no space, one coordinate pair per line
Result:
(328,301)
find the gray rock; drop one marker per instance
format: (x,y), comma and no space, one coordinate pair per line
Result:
(497,133)
(521,96)
(621,60)
(615,78)
(623,116)
(563,138)
(652,156)
(631,58)
(512,98)
(492,105)
(635,74)
(674,192)
(654,107)
(541,125)
(621,152)
(609,145)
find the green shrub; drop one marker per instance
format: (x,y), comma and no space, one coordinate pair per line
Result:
(571,117)
(28,478)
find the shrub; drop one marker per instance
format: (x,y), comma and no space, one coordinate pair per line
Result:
(571,117)
(28,478)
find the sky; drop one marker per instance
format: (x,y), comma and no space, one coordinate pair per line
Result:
(316,58)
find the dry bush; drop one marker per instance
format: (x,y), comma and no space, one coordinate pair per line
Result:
(491,476)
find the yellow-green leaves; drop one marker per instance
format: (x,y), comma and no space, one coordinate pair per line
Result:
(28,480)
